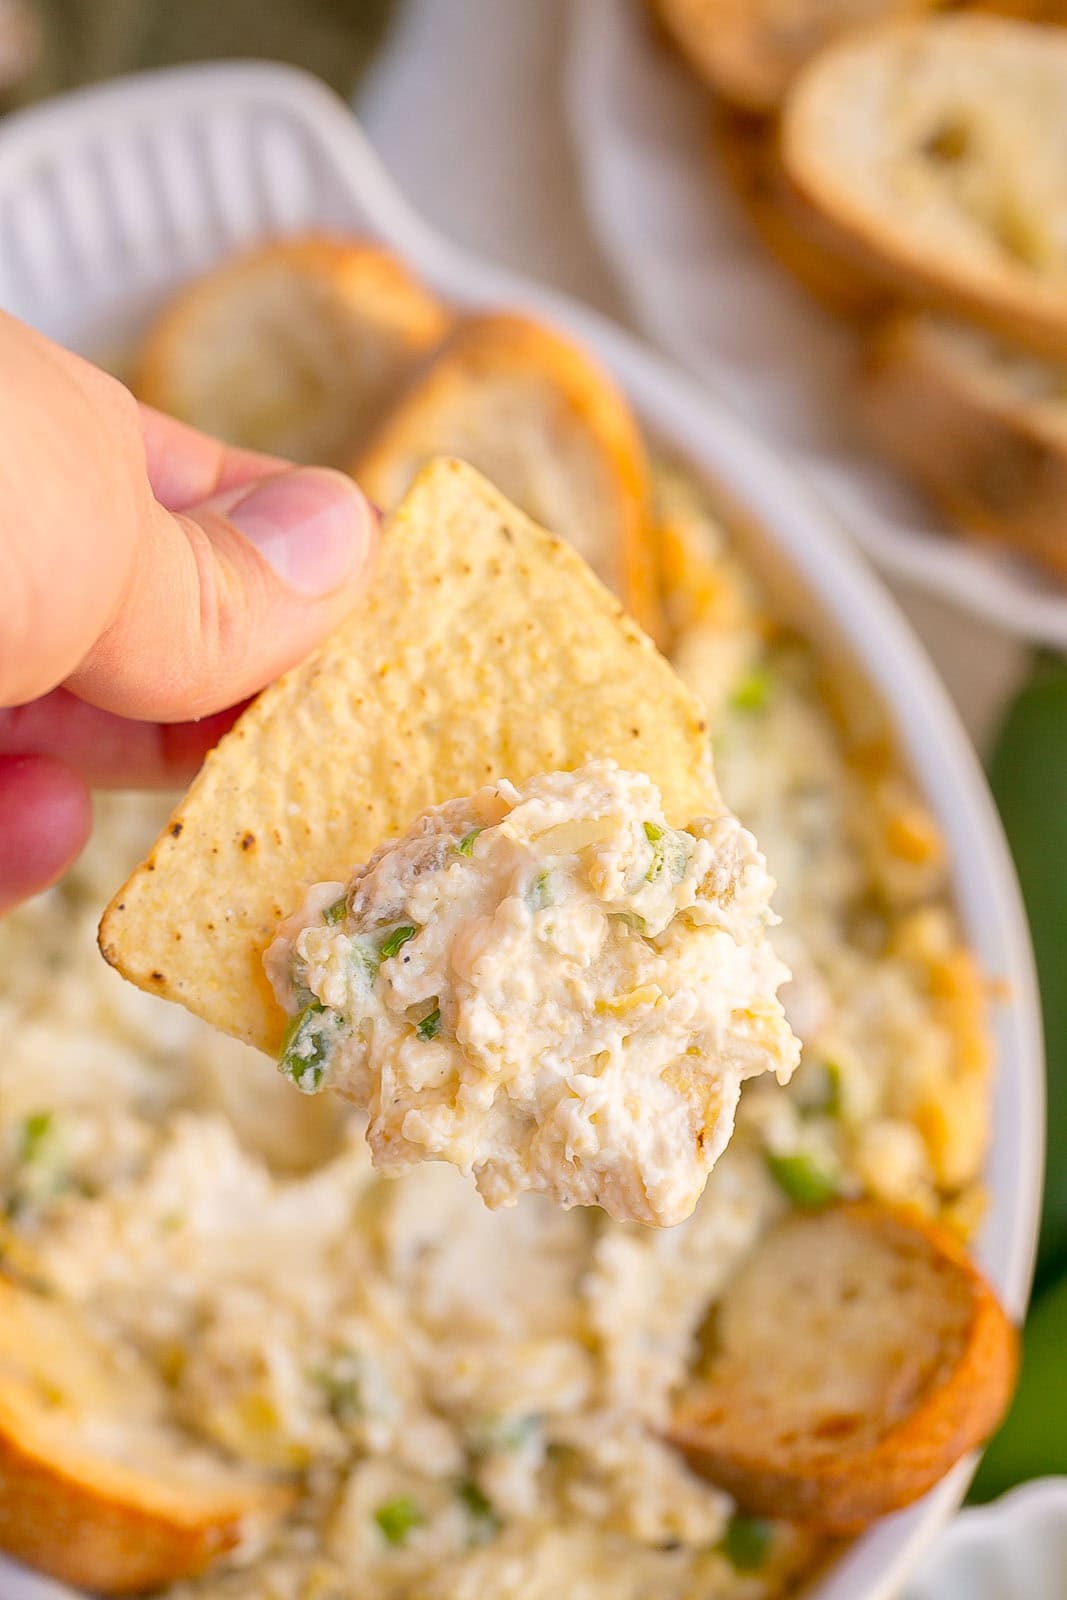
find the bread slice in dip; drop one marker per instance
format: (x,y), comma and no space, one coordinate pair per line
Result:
(96,1487)
(858,1355)
(293,348)
(543,421)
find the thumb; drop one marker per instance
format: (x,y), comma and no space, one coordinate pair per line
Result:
(225,595)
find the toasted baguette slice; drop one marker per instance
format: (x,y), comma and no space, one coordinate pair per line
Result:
(750,50)
(548,427)
(860,1355)
(747,151)
(94,1488)
(980,425)
(1053,12)
(294,349)
(936,152)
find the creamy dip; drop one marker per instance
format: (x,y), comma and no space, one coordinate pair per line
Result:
(547,986)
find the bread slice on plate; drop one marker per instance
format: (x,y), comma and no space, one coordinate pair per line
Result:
(750,50)
(95,1489)
(858,1356)
(294,348)
(747,151)
(547,426)
(1050,11)
(935,150)
(981,425)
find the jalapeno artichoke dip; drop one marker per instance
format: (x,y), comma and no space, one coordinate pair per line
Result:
(549,987)
(473,1402)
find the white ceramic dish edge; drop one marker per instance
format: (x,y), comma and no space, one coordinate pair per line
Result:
(110,197)
(1013,1549)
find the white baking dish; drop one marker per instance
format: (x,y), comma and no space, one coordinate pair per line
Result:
(111,197)
(1013,1549)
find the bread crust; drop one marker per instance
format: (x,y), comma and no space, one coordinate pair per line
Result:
(750,56)
(793,233)
(994,461)
(1008,298)
(90,1521)
(586,406)
(842,1492)
(337,290)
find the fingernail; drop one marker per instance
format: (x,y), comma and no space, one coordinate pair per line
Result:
(312,525)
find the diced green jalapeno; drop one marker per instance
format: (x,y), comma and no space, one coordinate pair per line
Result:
(466,844)
(342,1387)
(504,1433)
(800,1177)
(747,1542)
(395,941)
(824,1095)
(539,894)
(754,691)
(306,1047)
(485,1520)
(397,1518)
(335,913)
(430,1026)
(632,920)
(34,1134)
(668,852)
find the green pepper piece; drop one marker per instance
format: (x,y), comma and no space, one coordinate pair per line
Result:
(475,1498)
(539,894)
(395,941)
(341,1386)
(335,913)
(800,1177)
(34,1134)
(485,1520)
(1028,775)
(466,844)
(305,1048)
(747,1542)
(430,1026)
(397,1518)
(826,1098)
(753,692)
(668,851)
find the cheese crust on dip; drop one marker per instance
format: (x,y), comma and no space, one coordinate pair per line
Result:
(547,986)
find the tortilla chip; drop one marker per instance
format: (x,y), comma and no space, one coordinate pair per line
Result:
(485,649)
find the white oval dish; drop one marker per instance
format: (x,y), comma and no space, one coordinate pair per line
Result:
(1014,1549)
(707,293)
(111,197)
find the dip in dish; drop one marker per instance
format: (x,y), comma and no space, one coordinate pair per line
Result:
(476,1398)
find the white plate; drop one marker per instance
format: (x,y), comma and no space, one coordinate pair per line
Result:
(112,196)
(701,286)
(1014,1549)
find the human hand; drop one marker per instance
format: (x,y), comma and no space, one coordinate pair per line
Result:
(149,578)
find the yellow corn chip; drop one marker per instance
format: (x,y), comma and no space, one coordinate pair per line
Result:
(485,649)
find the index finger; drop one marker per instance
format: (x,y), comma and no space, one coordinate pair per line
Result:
(108,751)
